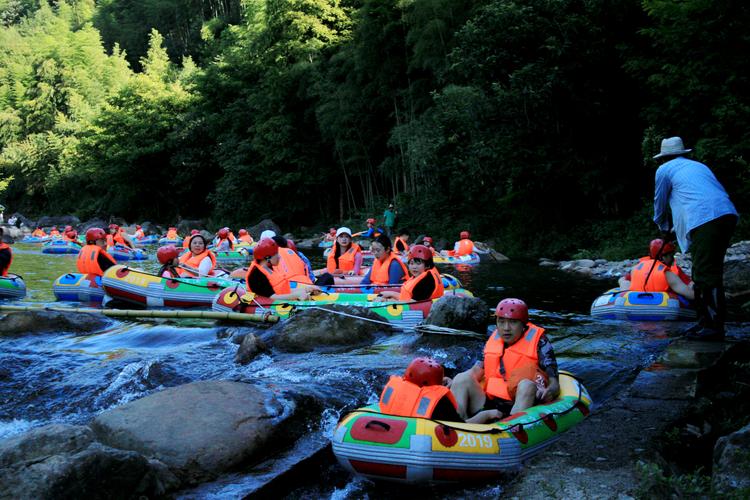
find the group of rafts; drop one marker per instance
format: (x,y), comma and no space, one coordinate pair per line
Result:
(367,441)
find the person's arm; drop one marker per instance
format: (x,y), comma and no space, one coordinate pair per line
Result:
(424,289)
(4,258)
(395,273)
(548,363)
(357,263)
(662,189)
(679,287)
(366,279)
(204,268)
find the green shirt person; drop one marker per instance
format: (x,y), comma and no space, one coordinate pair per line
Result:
(390,219)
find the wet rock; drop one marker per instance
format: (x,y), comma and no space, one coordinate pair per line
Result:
(20,323)
(461,313)
(64,220)
(135,379)
(186,225)
(64,461)
(584,263)
(731,471)
(316,329)
(22,221)
(308,242)
(198,430)
(150,228)
(262,226)
(250,347)
(96,222)
(548,263)
(11,234)
(737,276)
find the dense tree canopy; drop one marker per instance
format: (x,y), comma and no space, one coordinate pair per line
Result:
(532,123)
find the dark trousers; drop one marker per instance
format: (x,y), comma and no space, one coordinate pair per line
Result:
(708,246)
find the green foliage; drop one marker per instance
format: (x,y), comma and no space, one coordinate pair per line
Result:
(653,483)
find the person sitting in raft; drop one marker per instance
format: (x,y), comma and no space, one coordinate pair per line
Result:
(371,231)
(330,235)
(168,257)
(519,368)
(198,260)
(223,243)
(139,234)
(71,237)
(387,268)
(345,256)
(172,234)
(421,393)
(117,235)
(186,241)
(658,272)
(6,255)
(464,246)
(53,232)
(245,237)
(425,282)
(38,232)
(401,243)
(93,257)
(294,267)
(324,279)
(266,278)
(428,242)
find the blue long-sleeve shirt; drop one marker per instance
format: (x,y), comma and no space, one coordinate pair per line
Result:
(395,273)
(694,196)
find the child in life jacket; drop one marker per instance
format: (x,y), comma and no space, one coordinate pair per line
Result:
(422,392)
(169,257)
(658,272)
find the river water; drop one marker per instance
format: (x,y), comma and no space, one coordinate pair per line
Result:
(64,377)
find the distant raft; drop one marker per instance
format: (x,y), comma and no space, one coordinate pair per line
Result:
(61,247)
(143,289)
(419,450)
(642,306)
(122,252)
(35,239)
(449,283)
(241,255)
(472,258)
(146,240)
(402,315)
(12,287)
(170,241)
(77,287)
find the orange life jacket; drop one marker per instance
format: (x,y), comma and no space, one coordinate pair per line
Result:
(172,235)
(522,353)
(88,260)
(465,247)
(405,244)
(68,238)
(246,238)
(110,240)
(194,261)
(293,266)
(433,274)
(657,281)
(403,398)
(4,246)
(277,278)
(139,234)
(379,271)
(346,259)
(38,233)
(220,246)
(54,232)
(186,242)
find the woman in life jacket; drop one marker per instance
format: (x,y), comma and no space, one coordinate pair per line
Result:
(464,246)
(266,278)
(387,268)
(425,282)
(168,257)
(71,236)
(93,257)
(330,235)
(401,243)
(139,234)
(223,243)
(198,261)
(117,235)
(519,367)
(422,392)
(245,237)
(53,232)
(172,234)
(658,272)
(345,256)
(38,232)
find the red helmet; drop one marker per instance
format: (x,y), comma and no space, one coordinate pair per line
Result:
(194,232)
(68,228)
(167,253)
(427,239)
(512,309)
(659,247)
(72,234)
(95,233)
(424,371)
(137,226)
(114,226)
(420,252)
(464,235)
(292,245)
(371,221)
(243,232)
(266,248)
(224,233)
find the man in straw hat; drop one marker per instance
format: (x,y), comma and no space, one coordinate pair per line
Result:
(703,219)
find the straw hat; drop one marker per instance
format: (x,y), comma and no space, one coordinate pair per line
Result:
(672,146)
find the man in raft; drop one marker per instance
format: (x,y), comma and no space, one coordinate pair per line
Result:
(464,246)
(6,255)
(267,278)
(658,272)
(421,392)
(93,257)
(519,368)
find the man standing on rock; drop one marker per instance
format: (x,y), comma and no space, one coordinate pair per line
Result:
(703,220)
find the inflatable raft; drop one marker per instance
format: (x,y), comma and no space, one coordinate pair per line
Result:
(325,244)
(146,240)
(12,287)
(142,289)
(61,247)
(642,306)
(402,315)
(122,252)
(77,287)
(419,450)
(472,258)
(170,241)
(35,239)
(449,283)
(241,255)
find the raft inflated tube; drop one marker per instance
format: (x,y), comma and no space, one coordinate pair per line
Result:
(134,313)
(642,306)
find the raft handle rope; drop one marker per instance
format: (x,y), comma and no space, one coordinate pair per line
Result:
(340,313)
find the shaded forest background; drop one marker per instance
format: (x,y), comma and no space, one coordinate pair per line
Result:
(530,123)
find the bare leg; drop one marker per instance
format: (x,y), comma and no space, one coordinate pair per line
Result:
(525,395)
(468,392)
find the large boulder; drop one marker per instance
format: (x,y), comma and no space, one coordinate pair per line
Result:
(262,226)
(250,347)
(737,276)
(316,329)
(22,221)
(186,225)
(198,430)
(63,220)
(95,222)
(731,472)
(461,313)
(150,228)
(65,461)
(10,234)
(19,323)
